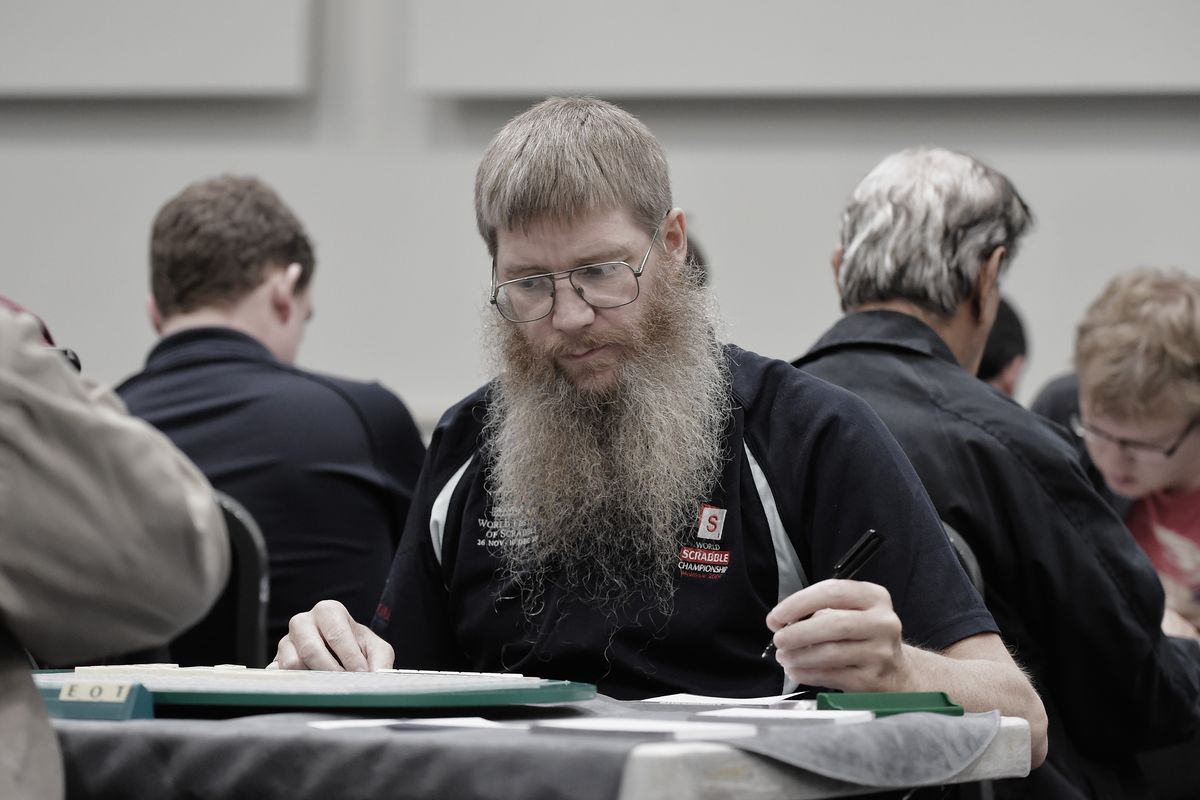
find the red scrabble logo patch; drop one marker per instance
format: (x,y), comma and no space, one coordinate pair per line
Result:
(699,562)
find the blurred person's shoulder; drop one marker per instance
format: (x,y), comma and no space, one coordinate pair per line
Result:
(1058,399)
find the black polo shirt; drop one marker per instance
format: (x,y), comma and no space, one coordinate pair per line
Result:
(1076,599)
(325,466)
(809,468)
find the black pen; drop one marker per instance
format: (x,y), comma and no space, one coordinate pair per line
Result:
(854,560)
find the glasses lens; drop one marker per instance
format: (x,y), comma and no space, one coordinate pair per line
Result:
(606,285)
(525,300)
(1147,453)
(1138,451)
(71,357)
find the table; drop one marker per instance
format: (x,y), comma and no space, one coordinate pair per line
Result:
(702,771)
(281,756)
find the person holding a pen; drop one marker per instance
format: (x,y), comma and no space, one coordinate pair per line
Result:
(926,238)
(634,504)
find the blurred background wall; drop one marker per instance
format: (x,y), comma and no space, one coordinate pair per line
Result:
(369,118)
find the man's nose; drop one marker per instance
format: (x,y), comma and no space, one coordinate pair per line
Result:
(1110,452)
(571,311)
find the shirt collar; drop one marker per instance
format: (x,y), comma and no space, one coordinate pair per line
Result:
(881,328)
(205,344)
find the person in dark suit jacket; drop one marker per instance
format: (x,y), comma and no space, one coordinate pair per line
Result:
(326,466)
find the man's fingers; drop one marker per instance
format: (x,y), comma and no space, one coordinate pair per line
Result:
(379,653)
(286,656)
(864,654)
(313,654)
(828,594)
(854,650)
(328,638)
(304,647)
(336,645)
(321,639)
(840,625)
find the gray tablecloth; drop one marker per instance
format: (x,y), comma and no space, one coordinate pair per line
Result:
(917,749)
(280,756)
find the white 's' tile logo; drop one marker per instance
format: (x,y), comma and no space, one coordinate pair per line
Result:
(712,522)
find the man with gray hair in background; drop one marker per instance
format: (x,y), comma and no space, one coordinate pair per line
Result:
(925,240)
(633,504)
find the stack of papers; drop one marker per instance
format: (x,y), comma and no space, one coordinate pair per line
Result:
(781,709)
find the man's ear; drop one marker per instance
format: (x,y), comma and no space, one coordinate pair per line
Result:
(283,291)
(987,284)
(155,315)
(835,260)
(674,235)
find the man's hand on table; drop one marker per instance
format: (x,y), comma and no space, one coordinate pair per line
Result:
(328,638)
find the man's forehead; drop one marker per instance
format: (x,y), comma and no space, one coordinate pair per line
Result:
(1147,421)
(596,233)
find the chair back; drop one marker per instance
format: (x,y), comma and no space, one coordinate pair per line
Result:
(966,557)
(981,790)
(235,629)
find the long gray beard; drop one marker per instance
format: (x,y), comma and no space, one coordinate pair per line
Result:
(602,486)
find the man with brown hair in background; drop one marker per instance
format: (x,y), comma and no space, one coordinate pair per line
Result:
(326,466)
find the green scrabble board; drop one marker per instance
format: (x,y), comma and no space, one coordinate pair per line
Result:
(169,685)
(885,704)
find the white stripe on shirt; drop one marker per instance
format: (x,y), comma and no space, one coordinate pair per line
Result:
(441,507)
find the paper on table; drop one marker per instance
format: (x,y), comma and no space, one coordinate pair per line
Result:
(765,716)
(646,728)
(416,722)
(336,724)
(459,722)
(778,700)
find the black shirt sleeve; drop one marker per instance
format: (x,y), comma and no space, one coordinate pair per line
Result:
(414,613)
(837,471)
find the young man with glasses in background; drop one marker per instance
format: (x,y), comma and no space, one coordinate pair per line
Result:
(634,504)
(1137,354)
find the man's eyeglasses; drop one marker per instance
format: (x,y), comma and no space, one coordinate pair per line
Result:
(610,284)
(71,357)
(1140,451)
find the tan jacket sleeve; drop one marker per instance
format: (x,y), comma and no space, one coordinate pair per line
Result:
(110,539)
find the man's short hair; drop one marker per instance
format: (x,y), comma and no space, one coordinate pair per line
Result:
(919,225)
(1005,342)
(213,242)
(567,157)
(1137,349)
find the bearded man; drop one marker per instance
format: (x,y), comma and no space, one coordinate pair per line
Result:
(633,504)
